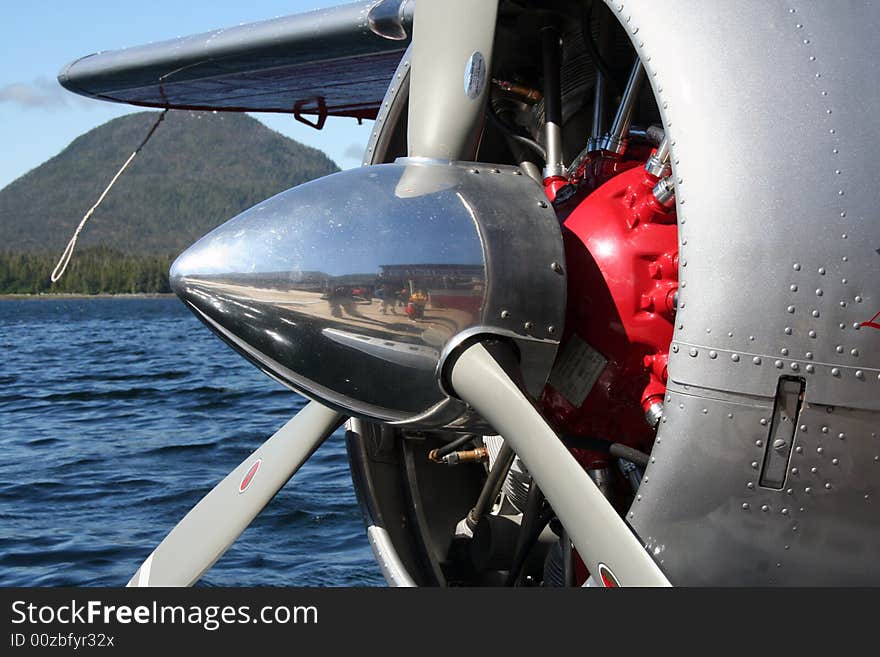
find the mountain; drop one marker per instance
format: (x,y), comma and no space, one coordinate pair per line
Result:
(198,170)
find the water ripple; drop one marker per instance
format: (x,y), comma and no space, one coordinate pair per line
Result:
(116,416)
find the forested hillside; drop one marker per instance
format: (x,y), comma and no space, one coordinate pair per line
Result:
(92,271)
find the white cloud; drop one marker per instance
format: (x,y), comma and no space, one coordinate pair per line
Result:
(354,151)
(41,93)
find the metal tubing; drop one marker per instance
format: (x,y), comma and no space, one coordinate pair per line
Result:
(598,108)
(600,88)
(493,485)
(664,192)
(616,139)
(552,73)
(531,526)
(552,102)
(658,162)
(600,535)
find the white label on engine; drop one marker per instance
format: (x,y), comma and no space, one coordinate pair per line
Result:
(576,371)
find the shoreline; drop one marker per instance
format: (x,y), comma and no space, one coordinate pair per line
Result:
(55,296)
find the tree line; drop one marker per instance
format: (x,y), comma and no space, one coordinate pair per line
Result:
(91,271)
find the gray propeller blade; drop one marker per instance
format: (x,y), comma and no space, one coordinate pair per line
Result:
(601,536)
(451,74)
(212,525)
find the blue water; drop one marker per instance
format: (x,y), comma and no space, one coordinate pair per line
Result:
(116,416)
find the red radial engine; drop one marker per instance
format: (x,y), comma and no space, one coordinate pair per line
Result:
(622,257)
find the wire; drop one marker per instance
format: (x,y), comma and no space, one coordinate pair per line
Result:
(448,448)
(61,267)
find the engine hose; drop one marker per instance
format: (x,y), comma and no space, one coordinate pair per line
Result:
(618,450)
(653,134)
(630,454)
(513,134)
(656,134)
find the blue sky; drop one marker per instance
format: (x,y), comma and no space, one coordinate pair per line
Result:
(38,118)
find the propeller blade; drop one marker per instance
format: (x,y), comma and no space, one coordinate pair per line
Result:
(602,538)
(450,76)
(212,525)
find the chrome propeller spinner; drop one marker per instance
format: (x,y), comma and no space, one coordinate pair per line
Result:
(353,289)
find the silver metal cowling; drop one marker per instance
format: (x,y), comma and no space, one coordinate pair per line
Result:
(313,284)
(774,283)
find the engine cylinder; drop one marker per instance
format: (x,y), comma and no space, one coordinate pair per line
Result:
(621,249)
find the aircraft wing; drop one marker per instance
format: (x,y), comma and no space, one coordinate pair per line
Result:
(329,62)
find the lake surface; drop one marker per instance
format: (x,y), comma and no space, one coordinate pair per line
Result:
(116,417)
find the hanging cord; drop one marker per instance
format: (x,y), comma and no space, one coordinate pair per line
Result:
(61,267)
